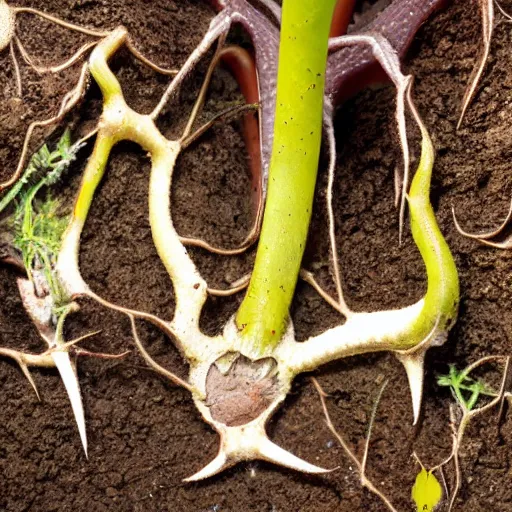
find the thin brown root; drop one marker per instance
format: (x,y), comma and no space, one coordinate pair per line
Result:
(417,459)
(160,369)
(68,344)
(85,138)
(253,235)
(155,67)
(213,34)
(62,23)
(72,60)
(485,360)
(305,275)
(226,115)
(309,278)
(457,439)
(198,105)
(53,69)
(370,425)
(508,17)
(450,457)
(237,286)
(141,315)
(341,305)
(74,95)
(487,8)
(487,237)
(16,66)
(445,483)
(250,239)
(187,138)
(101,355)
(67,104)
(246,244)
(21,359)
(361,466)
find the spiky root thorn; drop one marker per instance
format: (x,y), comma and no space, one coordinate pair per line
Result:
(414,368)
(413,361)
(60,358)
(238,396)
(250,442)
(60,354)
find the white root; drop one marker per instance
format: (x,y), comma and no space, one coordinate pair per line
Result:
(361,333)
(7,21)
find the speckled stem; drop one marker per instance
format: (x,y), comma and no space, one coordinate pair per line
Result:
(263,315)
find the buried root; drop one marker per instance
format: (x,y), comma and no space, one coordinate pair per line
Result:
(223,368)
(237,380)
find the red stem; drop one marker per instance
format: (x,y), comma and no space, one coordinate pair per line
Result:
(243,68)
(341,17)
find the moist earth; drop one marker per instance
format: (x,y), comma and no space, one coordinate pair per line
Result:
(145,434)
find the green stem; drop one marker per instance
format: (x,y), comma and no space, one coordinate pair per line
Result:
(442,297)
(263,314)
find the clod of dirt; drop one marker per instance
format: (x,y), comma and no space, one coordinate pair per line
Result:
(243,392)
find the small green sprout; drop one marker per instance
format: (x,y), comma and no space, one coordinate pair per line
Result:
(38,224)
(467,391)
(461,384)
(38,231)
(38,228)
(44,169)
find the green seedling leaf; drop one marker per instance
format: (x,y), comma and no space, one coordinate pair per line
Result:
(426,491)
(64,144)
(461,384)
(44,169)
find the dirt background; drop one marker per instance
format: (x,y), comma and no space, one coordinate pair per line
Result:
(144,434)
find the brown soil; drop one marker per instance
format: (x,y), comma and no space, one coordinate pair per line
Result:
(145,435)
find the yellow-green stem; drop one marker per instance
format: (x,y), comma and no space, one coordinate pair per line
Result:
(263,314)
(119,122)
(442,297)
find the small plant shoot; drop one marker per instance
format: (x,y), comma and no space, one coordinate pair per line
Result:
(38,226)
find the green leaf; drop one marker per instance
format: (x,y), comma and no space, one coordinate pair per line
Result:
(64,144)
(426,492)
